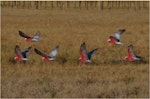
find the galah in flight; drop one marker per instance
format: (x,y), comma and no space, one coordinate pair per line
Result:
(131,55)
(86,57)
(21,56)
(49,57)
(115,38)
(35,38)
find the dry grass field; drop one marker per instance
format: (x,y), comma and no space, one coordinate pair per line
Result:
(108,77)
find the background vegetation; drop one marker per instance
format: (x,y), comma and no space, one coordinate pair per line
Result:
(108,76)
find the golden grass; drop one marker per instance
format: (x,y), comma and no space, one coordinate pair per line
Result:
(109,76)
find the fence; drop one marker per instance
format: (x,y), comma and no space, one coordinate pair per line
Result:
(136,5)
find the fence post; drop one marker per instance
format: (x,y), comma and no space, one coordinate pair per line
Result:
(74,4)
(52,4)
(138,5)
(68,4)
(80,5)
(100,5)
(87,4)
(45,4)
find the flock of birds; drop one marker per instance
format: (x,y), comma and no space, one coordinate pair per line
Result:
(85,56)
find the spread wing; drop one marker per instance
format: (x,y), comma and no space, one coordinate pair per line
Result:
(39,52)
(37,35)
(130,51)
(25,52)
(54,52)
(83,52)
(18,51)
(23,35)
(118,33)
(91,53)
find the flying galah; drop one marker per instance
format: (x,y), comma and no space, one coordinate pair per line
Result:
(21,56)
(86,57)
(115,38)
(35,38)
(131,55)
(49,57)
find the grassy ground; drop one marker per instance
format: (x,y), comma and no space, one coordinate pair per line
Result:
(109,76)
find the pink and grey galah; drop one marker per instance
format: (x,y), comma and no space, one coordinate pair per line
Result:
(131,55)
(21,56)
(27,38)
(115,38)
(51,56)
(86,57)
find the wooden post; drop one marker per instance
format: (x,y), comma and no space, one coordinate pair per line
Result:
(36,4)
(29,4)
(87,2)
(8,3)
(80,5)
(61,4)
(138,5)
(52,4)
(134,5)
(23,4)
(75,4)
(95,4)
(45,4)
(57,4)
(41,2)
(68,4)
(100,5)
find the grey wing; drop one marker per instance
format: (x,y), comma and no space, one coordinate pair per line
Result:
(83,51)
(37,35)
(130,47)
(118,33)
(54,52)
(18,51)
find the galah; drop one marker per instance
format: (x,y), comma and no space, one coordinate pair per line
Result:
(115,38)
(51,56)
(27,38)
(131,55)
(21,56)
(86,57)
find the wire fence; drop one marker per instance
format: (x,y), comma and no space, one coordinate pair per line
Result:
(101,5)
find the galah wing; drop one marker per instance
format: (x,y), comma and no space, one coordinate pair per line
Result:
(54,52)
(40,53)
(118,33)
(18,52)
(130,51)
(23,35)
(26,51)
(83,52)
(90,54)
(113,39)
(36,36)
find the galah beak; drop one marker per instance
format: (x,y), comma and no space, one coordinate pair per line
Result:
(108,40)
